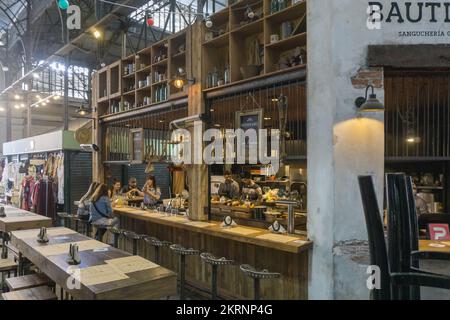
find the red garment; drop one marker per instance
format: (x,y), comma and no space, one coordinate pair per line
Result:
(27,190)
(44,198)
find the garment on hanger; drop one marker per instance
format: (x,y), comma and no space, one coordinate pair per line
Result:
(60,175)
(28,183)
(44,198)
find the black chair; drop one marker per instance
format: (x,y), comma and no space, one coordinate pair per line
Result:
(215,262)
(257,276)
(379,256)
(156,244)
(183,252)
(403,231)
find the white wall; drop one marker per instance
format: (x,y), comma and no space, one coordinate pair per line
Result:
(341,144)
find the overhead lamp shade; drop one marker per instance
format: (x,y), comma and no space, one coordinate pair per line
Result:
(372,105)
(369,103)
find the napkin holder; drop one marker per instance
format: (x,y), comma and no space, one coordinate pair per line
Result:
(276,227)
(228,222)
(2,212)
(74,255)
(42,236)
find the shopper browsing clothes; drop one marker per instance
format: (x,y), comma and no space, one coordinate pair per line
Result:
(152,194)
(101,211)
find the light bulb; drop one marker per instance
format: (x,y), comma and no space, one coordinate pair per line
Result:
(97,34)
(178,83)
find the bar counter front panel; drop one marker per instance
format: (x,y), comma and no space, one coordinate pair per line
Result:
(288,258)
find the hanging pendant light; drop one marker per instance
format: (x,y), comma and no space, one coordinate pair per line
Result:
(369,104)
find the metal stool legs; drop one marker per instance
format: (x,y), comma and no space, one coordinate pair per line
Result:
(183,252)
(215,262)
(5,240)
(256,275)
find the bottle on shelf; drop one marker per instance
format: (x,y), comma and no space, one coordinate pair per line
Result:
(226,75)
(274,6)
(215,77)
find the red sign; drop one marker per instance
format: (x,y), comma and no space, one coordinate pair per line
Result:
(438,231)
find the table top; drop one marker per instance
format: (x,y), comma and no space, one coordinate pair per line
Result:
(259,237)
(433,245)
(18,219)
(104,273)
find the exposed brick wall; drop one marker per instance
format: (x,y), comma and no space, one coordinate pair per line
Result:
(368,76)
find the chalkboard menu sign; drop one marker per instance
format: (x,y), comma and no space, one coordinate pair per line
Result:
(246,120)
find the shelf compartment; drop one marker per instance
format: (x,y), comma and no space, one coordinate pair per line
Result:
(238,17)
(292,12)
(289,43)
(219,41)
(254,27)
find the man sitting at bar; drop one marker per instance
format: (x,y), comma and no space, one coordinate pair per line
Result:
(229,188)
(421,204)
(132,188)
(250,190)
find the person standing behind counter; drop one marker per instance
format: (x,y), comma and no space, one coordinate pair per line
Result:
(229,188)
(250,189)
(101,211)
(132,188)
(152,194)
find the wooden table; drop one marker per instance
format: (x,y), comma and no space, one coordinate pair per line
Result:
(149,282)
(436,246)
(17,219)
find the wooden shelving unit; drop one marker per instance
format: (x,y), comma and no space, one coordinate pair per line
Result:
(143,79)
(237,48)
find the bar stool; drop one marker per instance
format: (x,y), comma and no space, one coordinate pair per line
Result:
(64,217)
(157,244)
(183,252)
(100,231)
(87,227)
(130,235)
(74,222)
(116,236)
(215,262)
(256,275)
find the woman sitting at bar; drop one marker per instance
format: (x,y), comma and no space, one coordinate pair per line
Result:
(85,202)
(101,211)
(152,194)
(116,189)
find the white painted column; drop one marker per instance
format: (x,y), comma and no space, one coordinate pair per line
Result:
(342,144)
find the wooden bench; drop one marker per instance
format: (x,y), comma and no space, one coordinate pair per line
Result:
(38,293)
(27,282)
(7,265)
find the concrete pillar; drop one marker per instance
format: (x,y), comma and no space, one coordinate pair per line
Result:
(342,144)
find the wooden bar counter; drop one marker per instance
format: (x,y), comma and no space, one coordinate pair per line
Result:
(258,247)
